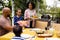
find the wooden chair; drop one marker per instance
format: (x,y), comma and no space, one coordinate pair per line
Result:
(41,24)
(56,26)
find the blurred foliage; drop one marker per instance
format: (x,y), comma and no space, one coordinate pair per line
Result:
(10,5)
(54,11)
(22,4)
(4,4)
(58,12)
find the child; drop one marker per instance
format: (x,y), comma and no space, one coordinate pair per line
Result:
(18,16)
(17,31)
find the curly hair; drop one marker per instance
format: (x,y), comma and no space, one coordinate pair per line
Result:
(33,5)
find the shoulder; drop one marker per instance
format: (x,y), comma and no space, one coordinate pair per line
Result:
(26,10)
(21,16)
(2,19)
(15,16)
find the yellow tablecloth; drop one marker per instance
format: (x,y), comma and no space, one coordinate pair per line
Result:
(10,35)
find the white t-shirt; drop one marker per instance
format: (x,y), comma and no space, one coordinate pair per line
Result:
(28,13)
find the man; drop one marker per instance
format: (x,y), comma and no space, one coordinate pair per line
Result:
(5,24)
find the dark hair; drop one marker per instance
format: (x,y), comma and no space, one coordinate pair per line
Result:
(17,10)
(33,5)
(17,30)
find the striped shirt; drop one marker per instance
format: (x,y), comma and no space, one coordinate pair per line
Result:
(17,38)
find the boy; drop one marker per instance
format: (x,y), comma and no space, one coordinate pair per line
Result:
(18,16)
(17,31)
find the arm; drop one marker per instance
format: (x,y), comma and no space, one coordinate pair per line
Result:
(26,15)
(6,25)
(15,20)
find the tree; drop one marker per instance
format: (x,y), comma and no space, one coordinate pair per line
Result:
(6,3)
(22,4)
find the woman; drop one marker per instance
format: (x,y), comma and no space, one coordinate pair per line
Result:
(29,12)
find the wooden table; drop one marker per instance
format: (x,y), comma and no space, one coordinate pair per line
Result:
(10,35)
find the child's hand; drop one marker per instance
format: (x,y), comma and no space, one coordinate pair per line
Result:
(22,23)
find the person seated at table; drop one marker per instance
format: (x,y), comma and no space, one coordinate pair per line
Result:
(5,23)
(18,16)
(30,12)
(17,31)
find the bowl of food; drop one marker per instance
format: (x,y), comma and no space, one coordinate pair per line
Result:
(34,16)
(40,32)
(44,35)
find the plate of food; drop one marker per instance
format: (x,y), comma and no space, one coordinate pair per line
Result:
(44,34)
(27,36)
(38,30)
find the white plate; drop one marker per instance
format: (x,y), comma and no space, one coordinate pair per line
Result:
(45,35)
(35,29)
(26,36)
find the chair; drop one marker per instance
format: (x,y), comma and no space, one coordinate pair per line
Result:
(56,26)
(41,24)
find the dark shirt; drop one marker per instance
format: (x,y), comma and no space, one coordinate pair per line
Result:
(17,19)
